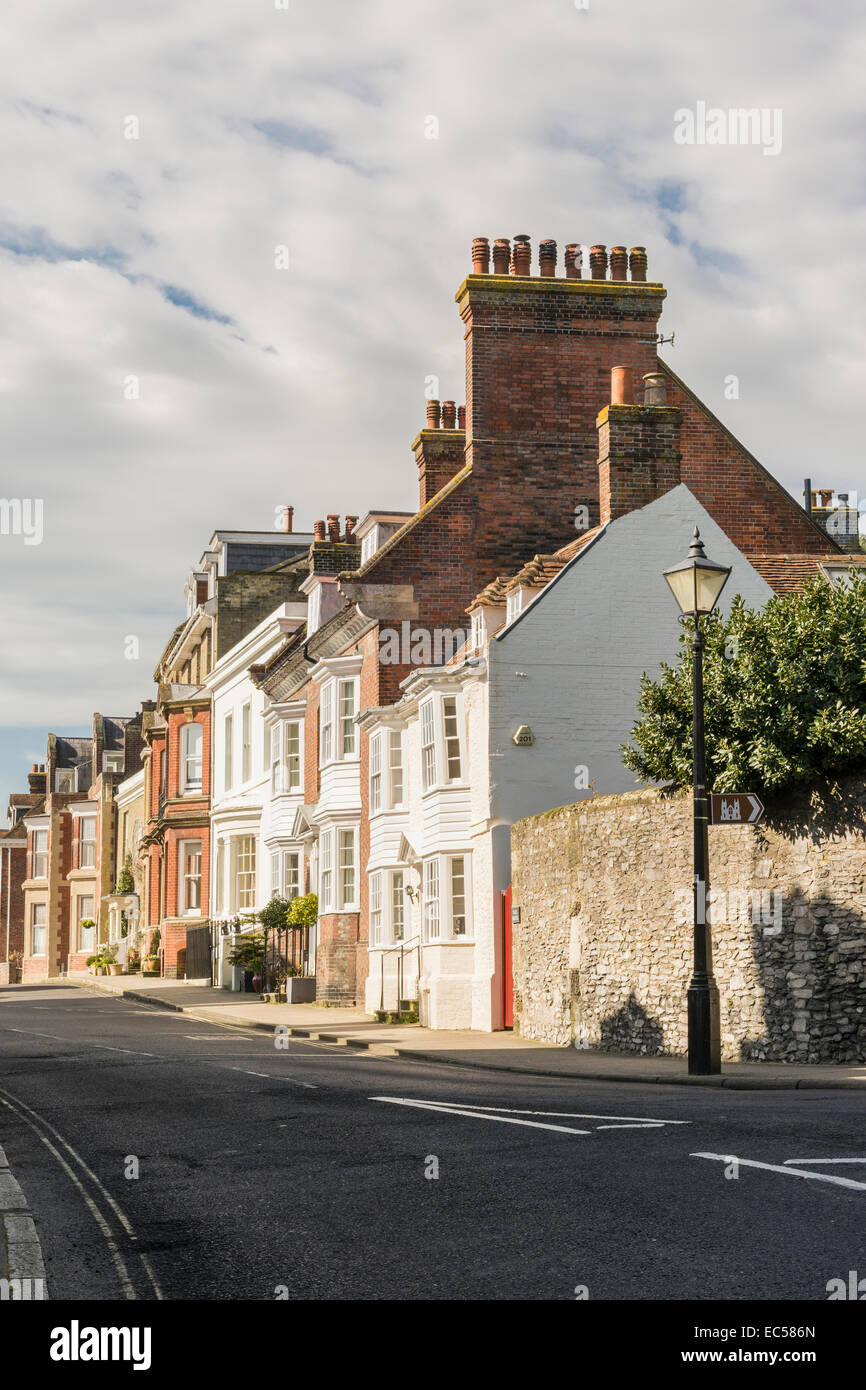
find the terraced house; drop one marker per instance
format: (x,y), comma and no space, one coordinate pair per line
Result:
(240,579)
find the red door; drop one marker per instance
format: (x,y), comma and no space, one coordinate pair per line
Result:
(507,973)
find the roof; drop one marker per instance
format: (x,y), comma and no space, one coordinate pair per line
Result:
(786,574)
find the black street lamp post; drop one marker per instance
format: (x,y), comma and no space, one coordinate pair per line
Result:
(696,584)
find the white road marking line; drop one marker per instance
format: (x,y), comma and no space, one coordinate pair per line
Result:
(646,1124)
(476,1115)
(789,1172)
(560,1114)
(266,1076)
(122,1271)
(823,1160)
(130,1051)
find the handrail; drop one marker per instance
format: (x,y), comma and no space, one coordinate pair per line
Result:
(400,946)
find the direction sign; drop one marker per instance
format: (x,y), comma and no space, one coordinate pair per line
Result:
(735,808)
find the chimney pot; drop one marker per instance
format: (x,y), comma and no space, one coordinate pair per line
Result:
(461,417)
(449,415)
(621,386)
(319,530)
(598,262)
(572,261)
(547,257)
(480,256)
(333,526)
(35,767)
(501,255)
(288,515)
(521,260)
(637,263)
(655,390)
(433,413)
(618,263)
(351,522)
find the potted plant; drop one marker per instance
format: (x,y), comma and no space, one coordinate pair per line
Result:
(91,963)
(303,912)
(109,956)
(248,955)
(151,960)
(133,961)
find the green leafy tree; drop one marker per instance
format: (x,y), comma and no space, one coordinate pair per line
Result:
(303,911)
(125,880)
(784,695)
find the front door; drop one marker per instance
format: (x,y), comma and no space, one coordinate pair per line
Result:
(507,972)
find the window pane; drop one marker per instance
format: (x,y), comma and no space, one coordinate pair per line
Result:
(431,899)
(347,867)
(458,895)
(87,842)
(347,717)
(326,879)
(37,929)
(375,773)
(192,755)
(452,737)
(291,874)
(326,729)
(396,768)
(428,750)
(245,876)
(376,909)
(397,906)
(293,757)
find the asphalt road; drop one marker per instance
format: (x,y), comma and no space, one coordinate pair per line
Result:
(308,1172)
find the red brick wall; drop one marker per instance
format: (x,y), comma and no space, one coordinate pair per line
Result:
(337,958)
(638,456)
(13,869)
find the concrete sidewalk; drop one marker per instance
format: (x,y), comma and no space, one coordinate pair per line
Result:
(495,1051)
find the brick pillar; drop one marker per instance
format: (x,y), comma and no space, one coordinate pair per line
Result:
(439,454)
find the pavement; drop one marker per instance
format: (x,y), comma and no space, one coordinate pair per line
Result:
(500,1051)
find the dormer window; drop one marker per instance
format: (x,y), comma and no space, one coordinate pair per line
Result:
(314,610)
(478,630)
(515,605)
(369,545)
(65,779)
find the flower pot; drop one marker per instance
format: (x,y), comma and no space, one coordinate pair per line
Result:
(116,969)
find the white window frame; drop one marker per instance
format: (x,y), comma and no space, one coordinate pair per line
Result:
(287,756)
(397,904)
(478,627)
(396,777)
(438,909)
(40,854)
(228,750)
(286,871)
(82,916)
(442,741)
(189,760)
(377,924)
(188,850)
(346,726)
(90,842)
(246,742)
(38,926)
(376,741)
(326,870)
(244,847)
(326,724)
(347,868)
(513,605)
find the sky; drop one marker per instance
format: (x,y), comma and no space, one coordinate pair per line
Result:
(231,232)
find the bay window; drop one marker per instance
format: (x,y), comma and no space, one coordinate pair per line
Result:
(396,767)
(446,897)
(285,873)
(431,899)
(441,759)
(286,757)
(376,937)
(397,905)
(348,690)
(347,867)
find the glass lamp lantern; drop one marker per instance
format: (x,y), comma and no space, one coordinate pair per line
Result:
(697,582)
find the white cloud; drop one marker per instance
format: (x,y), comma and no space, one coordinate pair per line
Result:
(261,127)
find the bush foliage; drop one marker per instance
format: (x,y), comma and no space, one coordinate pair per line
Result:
(784,695)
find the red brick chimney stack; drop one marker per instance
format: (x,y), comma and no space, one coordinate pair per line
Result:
(637,263)
(501,256)
(638,447)
(547,258)
(521,256)
(598,262)
(480,256)
(618,263)
(572,261)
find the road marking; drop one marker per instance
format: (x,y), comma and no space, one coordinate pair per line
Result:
(647,1124)
(560,1114)
(130,1051)
(824,1160)
(266,1076)
(122,1271)
(433,1108)
(78,1042)
(781,1168)
(207,1037)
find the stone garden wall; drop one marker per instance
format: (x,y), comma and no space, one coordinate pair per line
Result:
(602,952)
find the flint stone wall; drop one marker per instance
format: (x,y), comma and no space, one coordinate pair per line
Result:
(603,951)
